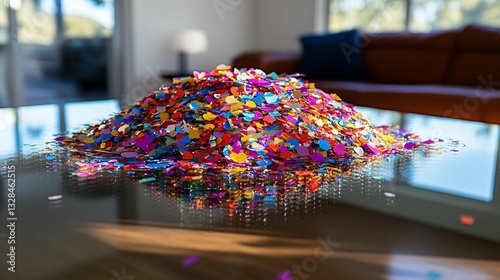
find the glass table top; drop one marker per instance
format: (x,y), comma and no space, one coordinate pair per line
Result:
(75,222)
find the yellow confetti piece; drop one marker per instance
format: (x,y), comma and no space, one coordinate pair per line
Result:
(195,133)
(103,145)
(336,97)
(389,138)
(236,106)
(164,116)
(88,140)
(238,157)
(180,81)
(115,133)
(231,100)
(245,138)
(209,126)
(251,104)
(209,116)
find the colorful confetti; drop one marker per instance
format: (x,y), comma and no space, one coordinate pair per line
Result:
(242,117)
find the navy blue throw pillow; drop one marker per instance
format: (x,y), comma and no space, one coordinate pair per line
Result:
(332,56)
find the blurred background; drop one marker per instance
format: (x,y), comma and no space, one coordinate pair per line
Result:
(56,51)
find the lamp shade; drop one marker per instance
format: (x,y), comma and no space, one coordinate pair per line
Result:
(190,41)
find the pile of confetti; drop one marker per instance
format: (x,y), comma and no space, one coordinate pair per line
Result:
(239,117)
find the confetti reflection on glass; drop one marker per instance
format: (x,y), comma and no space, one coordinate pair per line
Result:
(190,260)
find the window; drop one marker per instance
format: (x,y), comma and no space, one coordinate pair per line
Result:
(413,15)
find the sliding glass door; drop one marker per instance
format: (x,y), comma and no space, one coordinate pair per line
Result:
(60,50)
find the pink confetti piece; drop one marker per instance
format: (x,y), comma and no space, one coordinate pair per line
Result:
(339,149)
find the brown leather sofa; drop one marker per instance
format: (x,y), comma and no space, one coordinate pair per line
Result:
(454,73)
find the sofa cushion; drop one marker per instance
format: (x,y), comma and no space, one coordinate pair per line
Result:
(477,55)
(468,103)
(332,56)
(408,58)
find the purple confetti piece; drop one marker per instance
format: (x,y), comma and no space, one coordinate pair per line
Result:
(284,275)
(218,134)
(267,109)
(181,142)
(148,148)
(371,149)
(302,151)
(129,154)
(190,260)
(291,119)
(237,147)
(312,100)
(409,145)
(317,157)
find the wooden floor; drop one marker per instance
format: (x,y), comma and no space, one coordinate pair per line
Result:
(339,242)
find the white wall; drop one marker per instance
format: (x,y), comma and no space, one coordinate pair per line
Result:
(231,30)
(281,22)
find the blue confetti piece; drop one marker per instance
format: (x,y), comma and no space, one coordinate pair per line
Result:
(294,142)
(146,180)
(323,144)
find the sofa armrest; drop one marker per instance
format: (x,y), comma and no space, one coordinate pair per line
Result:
(279,62)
